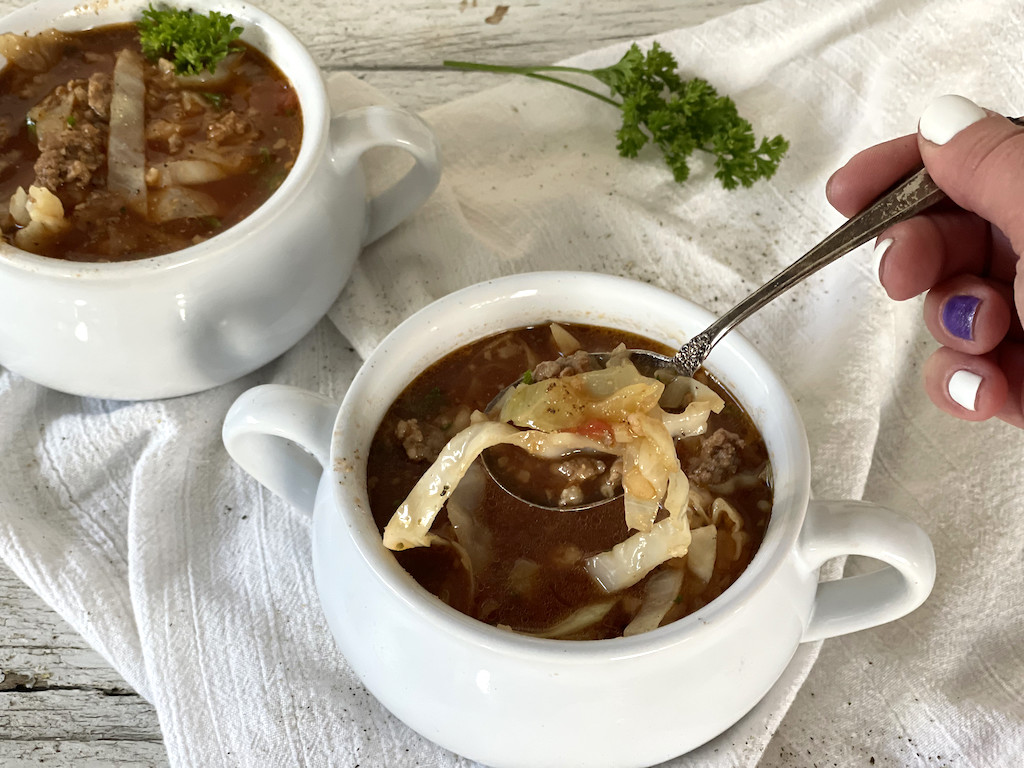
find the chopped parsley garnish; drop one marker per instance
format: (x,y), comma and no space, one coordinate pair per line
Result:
(191,41)
(217,99)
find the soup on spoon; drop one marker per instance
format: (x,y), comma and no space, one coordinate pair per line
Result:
(592,395)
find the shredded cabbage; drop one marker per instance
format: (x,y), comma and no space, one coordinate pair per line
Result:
(660,593)
(692,421)
(565,341)
(722,511)
(703,552)
(539,417)
(577,621)
(474,538)
(629,561)
(126,142)
(188,172)
(179,203)
(609,394)
(410,524)
(33,53)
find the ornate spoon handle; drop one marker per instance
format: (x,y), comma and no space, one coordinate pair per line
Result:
(906,199)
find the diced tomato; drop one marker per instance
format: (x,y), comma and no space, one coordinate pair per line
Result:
(598,430)
(288,102)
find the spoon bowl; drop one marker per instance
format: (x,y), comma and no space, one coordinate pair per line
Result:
(646,361)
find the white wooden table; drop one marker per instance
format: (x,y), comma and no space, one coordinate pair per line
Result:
(60,702)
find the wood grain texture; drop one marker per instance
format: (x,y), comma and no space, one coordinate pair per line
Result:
(103,753)
(399,34)
(60,703)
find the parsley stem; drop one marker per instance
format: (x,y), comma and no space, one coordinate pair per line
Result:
(575,87)
(535,72)
(678,115)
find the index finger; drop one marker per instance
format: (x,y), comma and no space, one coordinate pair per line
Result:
(977,157)
(871,172)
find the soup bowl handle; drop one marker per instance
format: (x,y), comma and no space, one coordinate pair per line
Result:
(355,131)
(839,528)
(281,436)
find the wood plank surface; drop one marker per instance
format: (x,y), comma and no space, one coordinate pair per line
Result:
(60,703)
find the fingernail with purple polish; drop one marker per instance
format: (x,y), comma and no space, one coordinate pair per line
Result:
(958,316)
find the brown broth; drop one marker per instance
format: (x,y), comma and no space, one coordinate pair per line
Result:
(102,227)
(508,595)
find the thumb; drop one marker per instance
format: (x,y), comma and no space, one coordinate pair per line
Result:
(977,158)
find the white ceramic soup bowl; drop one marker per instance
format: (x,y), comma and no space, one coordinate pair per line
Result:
(509,700)
(192,319)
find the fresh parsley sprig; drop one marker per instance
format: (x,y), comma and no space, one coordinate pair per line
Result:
(678,115)
(192,41)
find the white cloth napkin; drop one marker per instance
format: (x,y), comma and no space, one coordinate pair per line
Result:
(130,519)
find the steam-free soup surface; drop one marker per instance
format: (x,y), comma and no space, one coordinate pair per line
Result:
(517,566)
(215,147)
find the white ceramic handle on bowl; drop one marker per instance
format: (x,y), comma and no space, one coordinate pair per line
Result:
(281,435)
(838,528)
(355,131)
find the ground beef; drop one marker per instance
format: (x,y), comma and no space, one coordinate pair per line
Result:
(72,150)
(575,471)
(718,460)
(421,440)
(162,88)
(170,134)
(230,128)
(579,468)
(577,362)
(71,159)
(99,92)
(611,483)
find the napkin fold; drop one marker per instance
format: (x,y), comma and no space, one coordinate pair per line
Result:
(195,583)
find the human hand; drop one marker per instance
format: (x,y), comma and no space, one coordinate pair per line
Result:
(966,254)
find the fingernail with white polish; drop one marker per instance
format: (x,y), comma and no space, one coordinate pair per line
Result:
(963,388)
(876,258)
(945,117)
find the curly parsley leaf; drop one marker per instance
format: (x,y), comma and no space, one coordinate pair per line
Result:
(679,116)
(191,41)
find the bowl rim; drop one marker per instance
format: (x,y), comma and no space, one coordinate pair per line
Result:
(780,536)
(261,30)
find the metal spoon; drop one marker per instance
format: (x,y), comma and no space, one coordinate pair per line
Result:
(908,198)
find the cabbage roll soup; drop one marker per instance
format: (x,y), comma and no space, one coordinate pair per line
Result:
(682,466)
(109,152)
